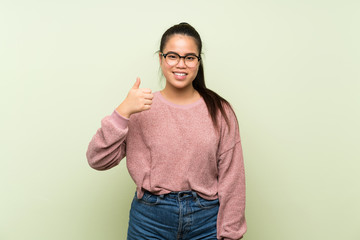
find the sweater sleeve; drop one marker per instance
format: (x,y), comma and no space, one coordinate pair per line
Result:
(231,224)
(108,145)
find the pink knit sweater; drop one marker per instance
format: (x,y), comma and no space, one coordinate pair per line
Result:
(176,148)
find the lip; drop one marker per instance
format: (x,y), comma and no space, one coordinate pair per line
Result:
(180,77)
(180,72)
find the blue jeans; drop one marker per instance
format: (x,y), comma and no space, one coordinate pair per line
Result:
(173,216)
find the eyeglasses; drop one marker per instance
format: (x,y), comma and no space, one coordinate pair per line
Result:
(172,58)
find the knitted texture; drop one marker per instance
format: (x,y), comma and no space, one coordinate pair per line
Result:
(176,148)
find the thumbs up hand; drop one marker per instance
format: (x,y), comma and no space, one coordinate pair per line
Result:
(137,100)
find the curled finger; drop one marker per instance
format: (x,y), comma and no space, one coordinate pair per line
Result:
(146,90)
(148,96)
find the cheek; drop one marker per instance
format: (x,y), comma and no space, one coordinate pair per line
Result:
(163,67)
(195,72)
(166,71)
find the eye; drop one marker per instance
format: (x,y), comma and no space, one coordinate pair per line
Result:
(172,56)
(190,58)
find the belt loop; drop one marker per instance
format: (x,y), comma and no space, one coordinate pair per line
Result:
(161,196)
(194,195)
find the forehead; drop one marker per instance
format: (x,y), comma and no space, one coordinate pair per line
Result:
(181,44)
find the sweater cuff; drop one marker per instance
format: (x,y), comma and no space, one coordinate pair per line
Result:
(120,120)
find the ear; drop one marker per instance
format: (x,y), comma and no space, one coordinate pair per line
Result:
(160,57)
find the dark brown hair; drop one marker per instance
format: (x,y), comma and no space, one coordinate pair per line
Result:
(214,102)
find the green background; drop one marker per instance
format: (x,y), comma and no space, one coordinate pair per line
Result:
(289,68)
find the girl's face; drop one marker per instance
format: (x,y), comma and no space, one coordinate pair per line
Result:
(179,76)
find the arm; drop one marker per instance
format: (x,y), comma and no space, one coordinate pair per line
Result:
(108,145)
(231,223)
(231,216)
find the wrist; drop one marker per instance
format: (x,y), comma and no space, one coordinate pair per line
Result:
(122,110)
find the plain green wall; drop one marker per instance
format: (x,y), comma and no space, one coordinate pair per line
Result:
(289,68)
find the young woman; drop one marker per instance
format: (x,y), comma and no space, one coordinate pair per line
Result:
(182,148)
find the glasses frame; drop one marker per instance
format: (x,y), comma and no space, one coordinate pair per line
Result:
(180,57)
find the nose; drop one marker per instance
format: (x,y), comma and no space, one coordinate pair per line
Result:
(181,63)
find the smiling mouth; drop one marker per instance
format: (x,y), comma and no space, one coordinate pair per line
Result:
(180,74)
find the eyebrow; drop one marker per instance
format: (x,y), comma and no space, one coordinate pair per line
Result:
(187,54)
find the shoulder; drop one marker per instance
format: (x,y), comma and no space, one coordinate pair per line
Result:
(229,125)
(228,114)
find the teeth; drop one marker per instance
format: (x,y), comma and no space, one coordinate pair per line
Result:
(180,74)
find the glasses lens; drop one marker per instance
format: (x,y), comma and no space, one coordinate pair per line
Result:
(191,60)
(172,59)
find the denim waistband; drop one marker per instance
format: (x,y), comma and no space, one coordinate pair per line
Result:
(181,194)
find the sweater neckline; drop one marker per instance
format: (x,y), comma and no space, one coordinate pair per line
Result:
(184,106)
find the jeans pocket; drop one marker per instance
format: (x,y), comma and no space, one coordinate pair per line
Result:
(149,199)
(206,204)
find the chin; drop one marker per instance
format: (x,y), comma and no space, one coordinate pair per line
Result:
(180,85)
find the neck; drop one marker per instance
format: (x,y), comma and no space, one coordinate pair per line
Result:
(180,96)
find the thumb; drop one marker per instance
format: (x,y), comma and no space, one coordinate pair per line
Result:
(137,83)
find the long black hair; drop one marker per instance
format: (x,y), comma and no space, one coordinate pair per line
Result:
(214,102)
